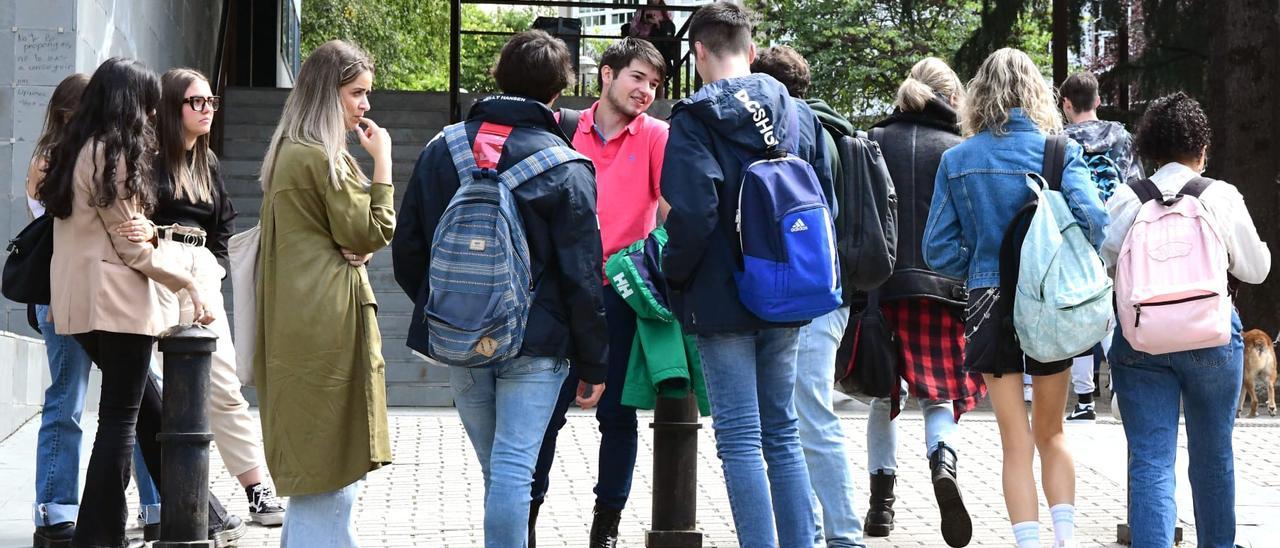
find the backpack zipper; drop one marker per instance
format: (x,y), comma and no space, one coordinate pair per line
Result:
(1137,308)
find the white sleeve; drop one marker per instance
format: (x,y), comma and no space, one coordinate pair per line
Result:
(1248,256)
(1122,209)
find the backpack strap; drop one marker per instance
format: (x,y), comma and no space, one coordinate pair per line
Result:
(537,163)
(1055,158)
(455,135)
(1195,186)
(1147,190)
(569,123)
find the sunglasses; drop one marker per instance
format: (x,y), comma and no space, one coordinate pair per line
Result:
(199,103)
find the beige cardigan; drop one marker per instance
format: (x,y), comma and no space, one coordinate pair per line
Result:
(102,281)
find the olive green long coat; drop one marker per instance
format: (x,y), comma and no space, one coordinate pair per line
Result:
(318,365)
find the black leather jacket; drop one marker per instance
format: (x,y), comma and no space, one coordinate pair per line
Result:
(913,143)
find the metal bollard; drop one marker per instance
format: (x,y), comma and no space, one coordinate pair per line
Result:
(675,475)
(184,439)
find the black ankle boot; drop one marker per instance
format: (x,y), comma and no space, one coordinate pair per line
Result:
(604,527)
(533,520)
(879,520)
(957,529)
(54,536)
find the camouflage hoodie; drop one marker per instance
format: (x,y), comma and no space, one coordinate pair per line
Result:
(1110,138)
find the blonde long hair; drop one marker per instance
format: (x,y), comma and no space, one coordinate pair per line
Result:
(1008,79)
(929,76)
(313,113)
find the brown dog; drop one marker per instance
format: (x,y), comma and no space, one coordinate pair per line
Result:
(1259,358)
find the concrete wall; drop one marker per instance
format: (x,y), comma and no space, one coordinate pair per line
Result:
(22,380)
(41,42)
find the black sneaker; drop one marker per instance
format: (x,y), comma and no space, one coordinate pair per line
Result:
(229,533)
(1083,413)
(57,535)
(264,507)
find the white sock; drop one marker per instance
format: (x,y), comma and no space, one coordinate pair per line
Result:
(1064,522)
(1027,534)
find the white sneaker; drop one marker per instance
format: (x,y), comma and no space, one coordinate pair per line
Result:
(1069,543)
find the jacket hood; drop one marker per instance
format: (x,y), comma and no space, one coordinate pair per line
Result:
(1096,136)
(829,117)
(937,113)
(748,111)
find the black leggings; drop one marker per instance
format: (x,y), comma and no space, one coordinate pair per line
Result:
(130,404)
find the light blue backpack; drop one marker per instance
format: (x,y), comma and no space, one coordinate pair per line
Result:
(1062,305)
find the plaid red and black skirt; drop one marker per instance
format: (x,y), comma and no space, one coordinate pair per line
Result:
(931,337)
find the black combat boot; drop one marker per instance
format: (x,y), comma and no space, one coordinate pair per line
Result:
(604,527)
(957,529)
(879,520)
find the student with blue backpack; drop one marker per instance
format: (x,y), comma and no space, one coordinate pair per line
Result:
(499,248)
(1108,153)
(821,436)
(1178,343)
(980,186)
(751,258)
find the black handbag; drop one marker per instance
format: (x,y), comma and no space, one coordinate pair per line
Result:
(26,270)
(868,359)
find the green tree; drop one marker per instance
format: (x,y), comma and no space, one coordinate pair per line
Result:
(860,50)
(409,39)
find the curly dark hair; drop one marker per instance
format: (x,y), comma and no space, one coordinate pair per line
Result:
(1173,129)
(114,113)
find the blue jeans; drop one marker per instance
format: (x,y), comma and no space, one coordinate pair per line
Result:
(323,520)
(618,438)
(1150,388)
(59,440)
(882,433)
(821,435)
(505,409)
(751,380)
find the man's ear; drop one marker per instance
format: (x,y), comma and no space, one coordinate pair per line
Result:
(606,75)
(751,53)
(699,51)
(1097,102)
(1067,106)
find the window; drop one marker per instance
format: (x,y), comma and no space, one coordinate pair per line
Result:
(290,41)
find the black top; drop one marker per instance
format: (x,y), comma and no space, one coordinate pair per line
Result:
(217,218)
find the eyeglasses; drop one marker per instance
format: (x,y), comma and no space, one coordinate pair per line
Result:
(198,103)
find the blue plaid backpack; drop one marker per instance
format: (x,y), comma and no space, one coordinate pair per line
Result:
(479,274)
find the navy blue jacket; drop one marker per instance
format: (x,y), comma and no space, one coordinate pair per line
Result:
(558,207)
(712,133)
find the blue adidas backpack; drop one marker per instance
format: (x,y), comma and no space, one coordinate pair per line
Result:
(479,274)
(790,272)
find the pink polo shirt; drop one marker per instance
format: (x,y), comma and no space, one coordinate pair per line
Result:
(628,174)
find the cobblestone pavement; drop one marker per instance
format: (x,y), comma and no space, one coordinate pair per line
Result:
(432,495)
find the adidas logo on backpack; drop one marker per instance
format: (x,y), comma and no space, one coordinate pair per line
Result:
(479,274)
(799,226)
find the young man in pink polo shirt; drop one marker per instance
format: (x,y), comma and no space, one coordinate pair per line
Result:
(626,146)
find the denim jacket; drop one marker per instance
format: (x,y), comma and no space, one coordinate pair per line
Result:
(980,185)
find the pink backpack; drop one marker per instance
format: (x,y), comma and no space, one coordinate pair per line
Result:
(1171,277)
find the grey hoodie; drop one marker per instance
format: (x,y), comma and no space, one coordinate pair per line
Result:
(1110,138)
